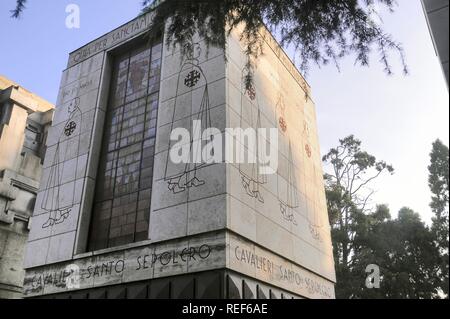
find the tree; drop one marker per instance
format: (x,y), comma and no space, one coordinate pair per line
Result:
(321,31)
(352,170)
(351,277)
(404,249)
(20,6)
(439,184)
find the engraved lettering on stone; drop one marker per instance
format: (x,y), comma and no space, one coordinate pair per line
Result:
(281,273)
(146,263)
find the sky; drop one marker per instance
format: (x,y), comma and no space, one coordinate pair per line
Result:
(396,117)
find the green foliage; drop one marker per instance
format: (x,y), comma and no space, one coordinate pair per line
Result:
(321,31)
(403,248)
(20,6)
(352,170)
(439,185)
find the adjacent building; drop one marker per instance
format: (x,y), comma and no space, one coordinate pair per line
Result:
(117,216)
(437,17)
(24,122)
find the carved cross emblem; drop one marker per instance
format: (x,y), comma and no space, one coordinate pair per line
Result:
(192,78)
(283,124)
(70,128)
(251,92)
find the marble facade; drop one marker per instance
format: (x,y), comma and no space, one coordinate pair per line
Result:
(203,217)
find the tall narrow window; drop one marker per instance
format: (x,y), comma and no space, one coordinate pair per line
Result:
(124,181)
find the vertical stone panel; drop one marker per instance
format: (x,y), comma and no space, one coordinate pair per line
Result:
(286,211)
(185,195)
(65,182)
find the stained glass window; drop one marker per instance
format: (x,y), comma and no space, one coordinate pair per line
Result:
(124,182)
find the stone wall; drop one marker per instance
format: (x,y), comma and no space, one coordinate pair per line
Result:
(20,172)
(273,228)
(289,214)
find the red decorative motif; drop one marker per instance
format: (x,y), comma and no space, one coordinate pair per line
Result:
(308,150)
(283,124)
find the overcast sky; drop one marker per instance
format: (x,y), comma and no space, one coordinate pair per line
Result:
(396,117)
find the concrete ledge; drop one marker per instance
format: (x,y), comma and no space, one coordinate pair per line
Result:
(7,191)
(7,218)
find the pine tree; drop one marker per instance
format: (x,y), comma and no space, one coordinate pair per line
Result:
(20,6)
